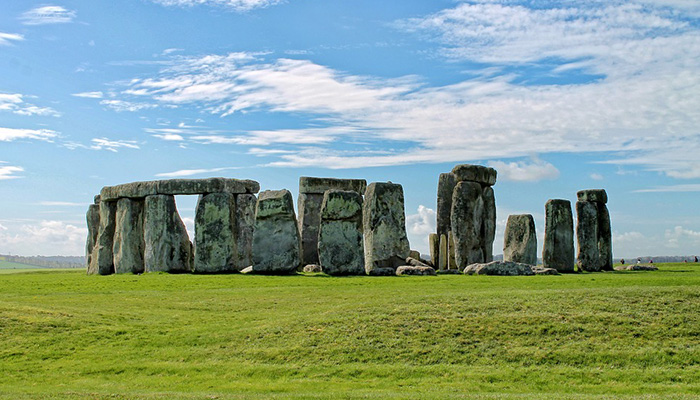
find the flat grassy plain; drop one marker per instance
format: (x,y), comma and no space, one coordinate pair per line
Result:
(65,335)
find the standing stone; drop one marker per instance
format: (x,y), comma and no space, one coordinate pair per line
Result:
(276,241)
(168,247)
(128,237)
(558,250)
(214,234)
(384,222)
(340,247)
(588,258)
(311,190)
(605,238)
(444,255)
(102,257)
(434,243)
(451,256)
(446,185)
(520,241)
(488,231)
(467,219)
(93,226)
(245,225)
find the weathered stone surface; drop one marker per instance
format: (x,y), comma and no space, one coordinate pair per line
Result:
(309,184)
(446,186)
(93,226)
(488,229)
(444,255)
(340,244)
(475,173)
(467,221)
(276,241)
(382,271)
(544,271)
(449,272)
(520,240)
(168,247)
(594,195)
(96,199)
(102,257)
(434,244)
(245,225)
(179,186)
(634,267)
(384,222)
(604,238)
(247,270)
(588,258)
(414,254)
(415,262)
(499,268)
(558,249)
(451,257)
(415,270)
(215,234)
(128,237)
(309,224)
(313,268)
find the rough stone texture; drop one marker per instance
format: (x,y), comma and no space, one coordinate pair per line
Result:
(634,267)
(247,270)
(475,173)
(415,262)
(415,270)
(313,268)
(309,224)
(488,229)
(520,239)
(168,247)
(309,184)
(102,257)
(499,268)
(215,234)
(467,220)
(382,271)
(93,226)
(97,199)
(544,271)
(276,241)
(444,255)
(604,238)
(446,185)
(128,237)
(245,225)
(594,195)
(451,257)
(384,222)
(558,249)
(414,254)
(449,272)
(588,258)
(434,243)
(340,245)
(179,186)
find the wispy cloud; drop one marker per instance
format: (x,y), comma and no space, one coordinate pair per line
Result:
(15,103)
(525,171)
(60,204)
(235,5)
(89,95)
(6,39)
(11,134)
(113,145)
(47,15)
(122,105)
(52,237)
(9,171)
(191,172)
(691,187)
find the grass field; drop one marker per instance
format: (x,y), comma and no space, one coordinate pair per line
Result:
(13,265)
(65,335)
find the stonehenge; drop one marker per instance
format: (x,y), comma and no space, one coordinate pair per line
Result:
(593,234)
(344,227)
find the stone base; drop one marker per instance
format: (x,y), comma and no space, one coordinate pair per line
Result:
(413,270)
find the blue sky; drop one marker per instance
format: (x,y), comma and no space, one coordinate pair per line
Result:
(558,96)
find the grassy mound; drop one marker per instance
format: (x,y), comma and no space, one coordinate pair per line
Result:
(157,336)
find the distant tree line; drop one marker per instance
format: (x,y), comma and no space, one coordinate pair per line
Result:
(47,261)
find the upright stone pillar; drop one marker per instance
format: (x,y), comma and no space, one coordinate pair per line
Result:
(340,247)
(434,243)
(520,241)
(558,250)
(245,225)
(93,226)
(488,230)
(214,234)
(276,241)
(446,185)
(311,191)
(103,257)
(593,232)
(384,223)
(444,253)
(128,237)
(168,247)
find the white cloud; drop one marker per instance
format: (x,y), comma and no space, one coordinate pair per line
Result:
(190,172)
(89,95)
(6,39)
(45,237)
(522,171)
(9,171)
(61,204)
(11,134)
(14,102)
(596,176)
(170,137)
(47,15)
(680,237)
(121,105)
(112,145)
(419,226)
(236,5)
(691,187)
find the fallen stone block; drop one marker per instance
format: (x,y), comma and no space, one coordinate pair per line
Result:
(414,270)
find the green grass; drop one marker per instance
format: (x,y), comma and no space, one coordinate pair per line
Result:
(65,335)
(13,265)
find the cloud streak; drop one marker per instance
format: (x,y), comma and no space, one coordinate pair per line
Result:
(9,171)
(235,5)
(47,15)
(12,134)
(6,39)
(15,103)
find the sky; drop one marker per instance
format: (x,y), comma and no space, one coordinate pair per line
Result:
(557,95)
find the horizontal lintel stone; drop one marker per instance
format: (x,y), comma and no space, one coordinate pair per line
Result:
(475,173)
(179,187)
(308,184)
(595,195)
